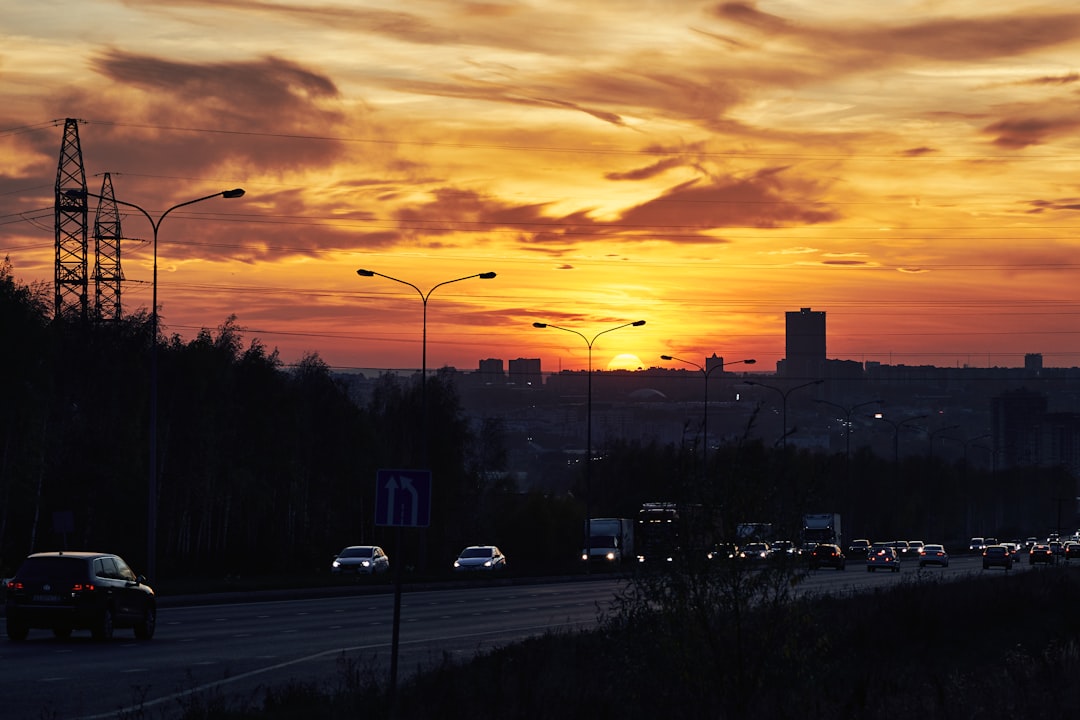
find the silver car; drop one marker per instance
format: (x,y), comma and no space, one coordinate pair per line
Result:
(361,560)
(480,557)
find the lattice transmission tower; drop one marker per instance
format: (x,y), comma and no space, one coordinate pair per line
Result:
(107,272)
(71,231)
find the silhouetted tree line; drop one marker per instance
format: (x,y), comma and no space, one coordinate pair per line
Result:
(264,468)
(261,468)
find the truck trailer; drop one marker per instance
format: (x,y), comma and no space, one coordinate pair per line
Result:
(611,541)
(822,528)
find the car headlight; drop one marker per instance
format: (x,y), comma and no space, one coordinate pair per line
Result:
(366,563)
(610,556)
(584,556)
(487,563)
(457,564)
(336,564)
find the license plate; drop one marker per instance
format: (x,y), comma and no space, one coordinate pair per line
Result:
(47,598)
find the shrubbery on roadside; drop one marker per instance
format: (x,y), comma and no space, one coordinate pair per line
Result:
(743,646)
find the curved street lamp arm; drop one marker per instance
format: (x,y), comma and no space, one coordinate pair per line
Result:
(234,193)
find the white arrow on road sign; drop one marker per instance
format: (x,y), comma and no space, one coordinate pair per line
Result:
(405,483)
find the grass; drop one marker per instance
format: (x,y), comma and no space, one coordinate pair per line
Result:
(980,648)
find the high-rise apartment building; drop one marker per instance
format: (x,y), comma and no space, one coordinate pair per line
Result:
(526,371)
(805,353)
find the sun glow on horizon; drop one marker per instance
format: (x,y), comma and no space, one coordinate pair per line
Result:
(625,361)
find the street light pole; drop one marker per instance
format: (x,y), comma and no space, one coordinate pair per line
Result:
(847,421)
(784,395)
(930,436)
(423,343)
(588,424)
(896,425)
(705,418)
(396,632)
(155,224)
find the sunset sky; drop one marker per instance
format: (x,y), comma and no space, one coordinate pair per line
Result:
(910,168)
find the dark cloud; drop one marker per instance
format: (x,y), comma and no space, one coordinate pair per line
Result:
(644,173)
(766,199)
(1020,132)
(941,38)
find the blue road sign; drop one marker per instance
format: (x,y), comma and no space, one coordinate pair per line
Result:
(403,498)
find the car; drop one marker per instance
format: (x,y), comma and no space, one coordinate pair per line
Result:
(755,552)
(1057,548)
(858,548)
(933,554)
(827,555)
(903,550)
(64,591)
(360,560)
(1072,550)
(784,548)
(1030,543)
(480,558)
(883,556)
(1040,553)
(997,556)
(977,544)
(914,547)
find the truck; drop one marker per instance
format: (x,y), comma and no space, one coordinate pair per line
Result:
(666,531)
(610,541)
(822,528)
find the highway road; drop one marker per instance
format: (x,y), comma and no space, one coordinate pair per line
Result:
(233,649)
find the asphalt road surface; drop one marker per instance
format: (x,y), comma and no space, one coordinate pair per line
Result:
(234,649)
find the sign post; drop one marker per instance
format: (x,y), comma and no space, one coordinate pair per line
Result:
(402,499)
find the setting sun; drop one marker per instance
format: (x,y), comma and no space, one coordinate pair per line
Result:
(625,361)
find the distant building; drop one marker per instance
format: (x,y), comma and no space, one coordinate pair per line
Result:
(1016,420)
(491,371)
(1033,363)
(805,353)
(526,371)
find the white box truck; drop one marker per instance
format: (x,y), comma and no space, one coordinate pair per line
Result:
(610,540)
(822,528)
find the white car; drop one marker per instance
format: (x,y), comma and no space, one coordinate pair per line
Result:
(480,557)
(361,560)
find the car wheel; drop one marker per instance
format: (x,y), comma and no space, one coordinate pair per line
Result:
(144,629)
(16,630)
(62,633)
(869,569)
(103,630)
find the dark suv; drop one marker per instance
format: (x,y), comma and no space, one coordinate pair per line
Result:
(997,556)
(827,555)
(66,591)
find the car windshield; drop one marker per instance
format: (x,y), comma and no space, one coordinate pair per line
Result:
(476,553)
(933,548)
(357,552)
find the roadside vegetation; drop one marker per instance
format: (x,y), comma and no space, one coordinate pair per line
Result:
(742,645)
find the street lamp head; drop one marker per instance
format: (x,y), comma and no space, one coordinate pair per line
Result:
(539,325)
(666,357)
(749,361)
(638,323)
(486,275)
(365,273)
(234,193)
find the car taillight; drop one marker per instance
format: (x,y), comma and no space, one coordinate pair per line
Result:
(14,585)
(82,587)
